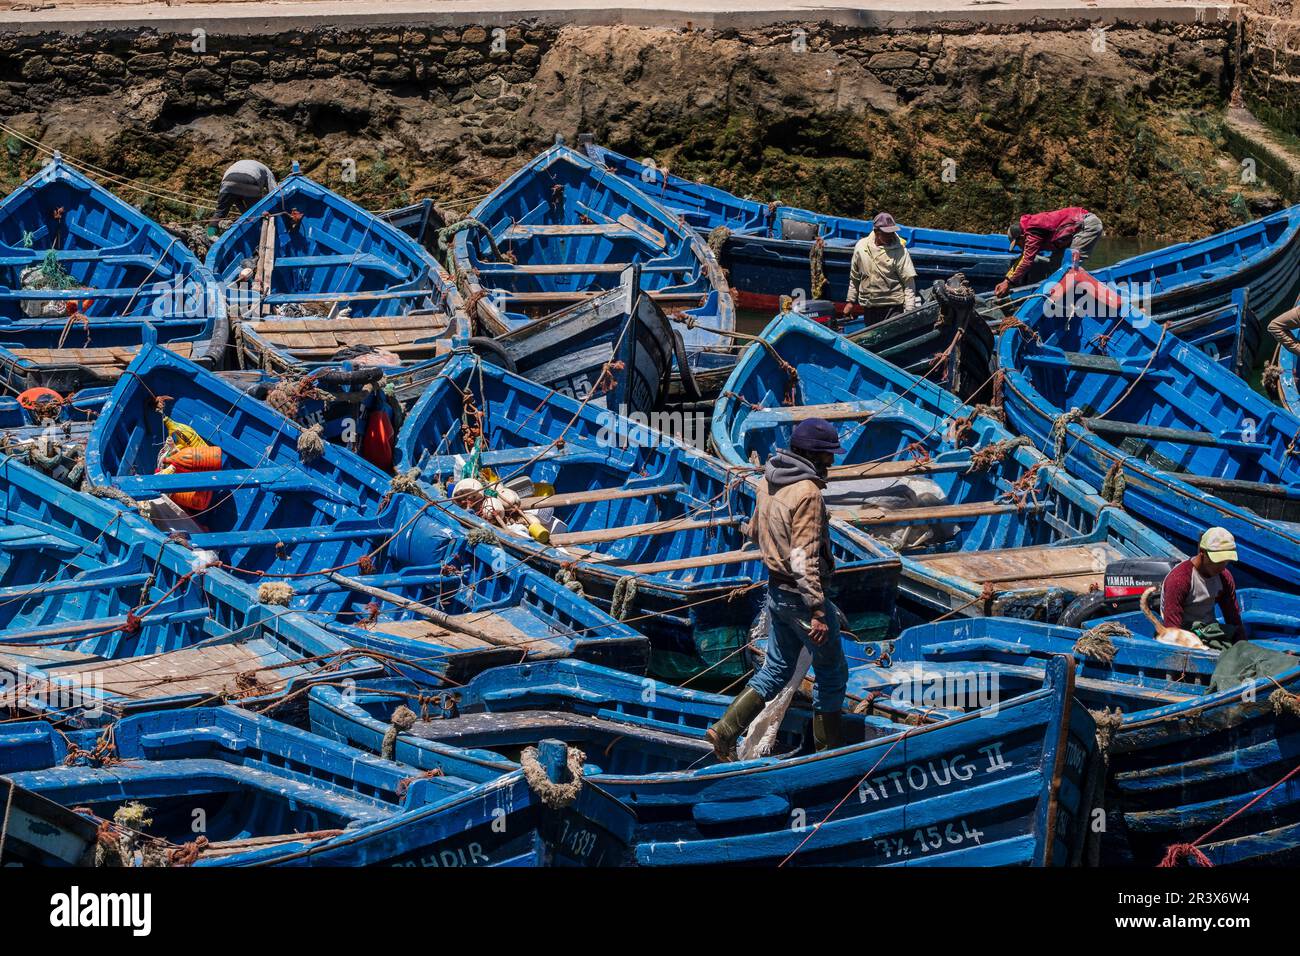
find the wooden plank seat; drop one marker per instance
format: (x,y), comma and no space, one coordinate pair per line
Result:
(104,358)
(831,411)
(1074,567)
(697,561)
(553,268)
(457,730)
(648,529)
(501,631)
(968,511)
(204,669)
(612,230)
(1090,362)
(44,589)
(527,298)
(1184,436)
(600,494)
(324,336)
(526,453)
(896,469)
(275,479)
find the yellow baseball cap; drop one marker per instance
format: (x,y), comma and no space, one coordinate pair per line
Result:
(1219,544)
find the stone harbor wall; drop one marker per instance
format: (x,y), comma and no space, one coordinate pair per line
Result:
(1271,62)
(961,123)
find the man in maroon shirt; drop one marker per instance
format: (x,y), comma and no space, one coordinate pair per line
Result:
(1192,589)
(1052,231)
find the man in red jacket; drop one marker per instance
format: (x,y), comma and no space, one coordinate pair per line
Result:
(1192,590)
(1072,227)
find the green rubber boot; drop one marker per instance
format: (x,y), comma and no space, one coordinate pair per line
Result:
(742,711)
(828,730)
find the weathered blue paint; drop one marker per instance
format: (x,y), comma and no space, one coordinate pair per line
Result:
(275,517)
(1181,761)
(271,795)
(1197,446)
(696,615)
(567,227)
(1051,538)
(101,616)
(330,255)
(983,789)
(133,282)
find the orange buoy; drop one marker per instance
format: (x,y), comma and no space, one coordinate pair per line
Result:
(377,442)
(33,397)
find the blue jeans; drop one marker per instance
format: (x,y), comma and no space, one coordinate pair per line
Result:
(787,634)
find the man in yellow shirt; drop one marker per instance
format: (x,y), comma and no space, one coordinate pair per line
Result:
(882,279)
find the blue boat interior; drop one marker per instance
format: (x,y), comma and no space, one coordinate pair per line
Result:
(1176,410)
(326,251)
(255,782)
(97,253)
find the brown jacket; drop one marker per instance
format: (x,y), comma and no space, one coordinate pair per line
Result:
(792,530)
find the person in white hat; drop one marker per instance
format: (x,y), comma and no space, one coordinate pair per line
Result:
(1192,589)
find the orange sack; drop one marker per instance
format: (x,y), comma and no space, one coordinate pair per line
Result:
(189,460)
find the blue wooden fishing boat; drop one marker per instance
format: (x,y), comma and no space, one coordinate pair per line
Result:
(769,246)
(562,229)
(101,616)
(86,278)
(1256,262)
(984,525)
(1102,389)
(647,526)
(613,350)
(267,794)
(1003,788)
(319,530)
(310,275)
(1185,760)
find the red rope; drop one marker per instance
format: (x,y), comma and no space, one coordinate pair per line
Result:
(1177,852)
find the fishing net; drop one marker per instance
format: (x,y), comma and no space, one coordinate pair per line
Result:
(49,276)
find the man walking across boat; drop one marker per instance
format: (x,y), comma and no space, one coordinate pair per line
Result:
(1073,227)
(1286,329)
(791,528)
(1192,589)
(243,184)
(882,279)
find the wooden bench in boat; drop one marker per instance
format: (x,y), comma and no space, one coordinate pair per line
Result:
(1075,567)
(698,561)
(323,337)
(831,411)
(960,512)
(484,726)
(501,632)
(896,469)
(542,298)
(206,669)
(1090,362)
(600,494)
(1182,436)
(107,361)
(649,529)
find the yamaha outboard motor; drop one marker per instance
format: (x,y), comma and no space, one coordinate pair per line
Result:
(1125,582)
(819,310)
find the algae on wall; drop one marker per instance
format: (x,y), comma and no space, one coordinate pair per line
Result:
(958,129)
